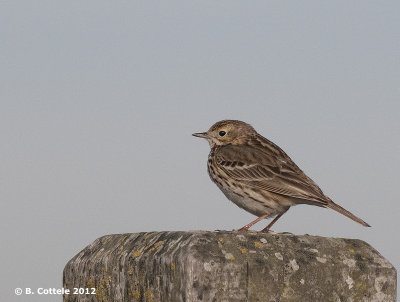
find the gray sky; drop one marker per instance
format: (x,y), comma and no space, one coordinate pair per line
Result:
(98,100)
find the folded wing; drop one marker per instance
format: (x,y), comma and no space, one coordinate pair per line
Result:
(258,168)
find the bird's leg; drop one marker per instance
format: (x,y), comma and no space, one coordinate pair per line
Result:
(249,225)
(266,229)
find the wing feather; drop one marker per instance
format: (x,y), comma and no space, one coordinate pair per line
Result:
(260,169)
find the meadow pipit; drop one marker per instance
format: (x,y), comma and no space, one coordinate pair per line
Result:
(258,176)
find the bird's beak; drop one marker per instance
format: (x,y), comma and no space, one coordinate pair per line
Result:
(201,134)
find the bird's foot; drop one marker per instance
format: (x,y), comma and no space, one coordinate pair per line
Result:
(243,229)
(268,231)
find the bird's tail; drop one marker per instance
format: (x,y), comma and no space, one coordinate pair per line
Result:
(346,213)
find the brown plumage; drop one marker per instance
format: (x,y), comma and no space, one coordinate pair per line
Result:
(258,176)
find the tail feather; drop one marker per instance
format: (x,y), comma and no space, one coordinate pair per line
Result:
(346,213)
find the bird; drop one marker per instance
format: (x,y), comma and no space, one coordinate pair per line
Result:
(258,176)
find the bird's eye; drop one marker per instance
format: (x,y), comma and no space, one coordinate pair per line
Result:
(222,133)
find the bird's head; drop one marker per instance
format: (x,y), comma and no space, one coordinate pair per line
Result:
(227,132)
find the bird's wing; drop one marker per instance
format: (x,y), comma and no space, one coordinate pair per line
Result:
(258,168)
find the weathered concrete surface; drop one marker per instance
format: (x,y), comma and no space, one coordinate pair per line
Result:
(229,266)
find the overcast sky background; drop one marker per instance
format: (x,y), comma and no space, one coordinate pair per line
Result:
(99,100)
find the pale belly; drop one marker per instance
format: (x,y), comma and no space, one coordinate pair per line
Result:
(257,204)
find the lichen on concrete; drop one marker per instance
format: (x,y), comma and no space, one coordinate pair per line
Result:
(229,266)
